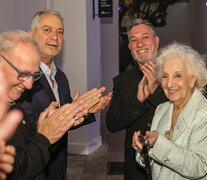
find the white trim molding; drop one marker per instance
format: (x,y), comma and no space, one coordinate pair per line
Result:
(85,148)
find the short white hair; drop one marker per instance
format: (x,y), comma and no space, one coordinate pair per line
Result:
(194,62)
(36,17)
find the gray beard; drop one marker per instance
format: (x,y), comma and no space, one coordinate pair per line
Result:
(148,59)
(46,56)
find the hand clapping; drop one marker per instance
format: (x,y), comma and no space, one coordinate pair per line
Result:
(148,84)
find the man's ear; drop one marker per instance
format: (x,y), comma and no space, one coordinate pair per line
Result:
(30,32)
(157,41)
(129,46)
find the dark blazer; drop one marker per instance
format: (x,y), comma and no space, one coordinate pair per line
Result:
(32,152)
(127,112)
(34,102)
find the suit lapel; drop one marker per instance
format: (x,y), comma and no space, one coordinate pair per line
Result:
(179,128)
(186,117)
(133,81)
(165,120)
(59,82)
(47,89)
(165,123)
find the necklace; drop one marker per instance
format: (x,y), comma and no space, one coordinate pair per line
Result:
(169,133)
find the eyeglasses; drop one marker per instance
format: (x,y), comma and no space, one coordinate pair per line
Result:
(23,76)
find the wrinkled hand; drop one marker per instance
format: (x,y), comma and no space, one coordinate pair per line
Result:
(136,144)
(9,123)
(53,107)
(7,154)
(102,103)
(90,97)
(152,137)
(54,126)
(149,72)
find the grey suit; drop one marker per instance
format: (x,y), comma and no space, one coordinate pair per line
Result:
(185,157)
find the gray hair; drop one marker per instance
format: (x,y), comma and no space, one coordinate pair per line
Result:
(195,63)
(9,40)
(36,17)
(139,21)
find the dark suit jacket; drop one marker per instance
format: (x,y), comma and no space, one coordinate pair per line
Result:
(126,112)
(32,152)
(34,102)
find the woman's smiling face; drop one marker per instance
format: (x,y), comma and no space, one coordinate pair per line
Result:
(176,81)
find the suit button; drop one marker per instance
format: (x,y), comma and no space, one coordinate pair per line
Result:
(134,115)
(166,160)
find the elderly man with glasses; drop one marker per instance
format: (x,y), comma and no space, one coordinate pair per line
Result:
(19,55)
(23,76)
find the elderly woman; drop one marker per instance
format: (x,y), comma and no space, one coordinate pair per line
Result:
(178,136)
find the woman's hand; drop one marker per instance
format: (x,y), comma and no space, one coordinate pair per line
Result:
(136,144)
(152,136)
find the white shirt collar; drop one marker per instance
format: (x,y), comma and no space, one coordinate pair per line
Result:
(48,71)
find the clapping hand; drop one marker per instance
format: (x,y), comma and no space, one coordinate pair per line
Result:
(102,103)
(148,84)
(94,99)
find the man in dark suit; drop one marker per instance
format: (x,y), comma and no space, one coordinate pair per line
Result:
(136,93)
(47,30)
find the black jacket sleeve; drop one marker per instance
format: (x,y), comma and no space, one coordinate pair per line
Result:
(123,112)
(125,109)
(32,154)
(31,157)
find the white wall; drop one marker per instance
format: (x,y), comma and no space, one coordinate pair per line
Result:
(110,47)
(199,25)
(93,62)
(186,22)
(17,14)
(178,25)
(109,51)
